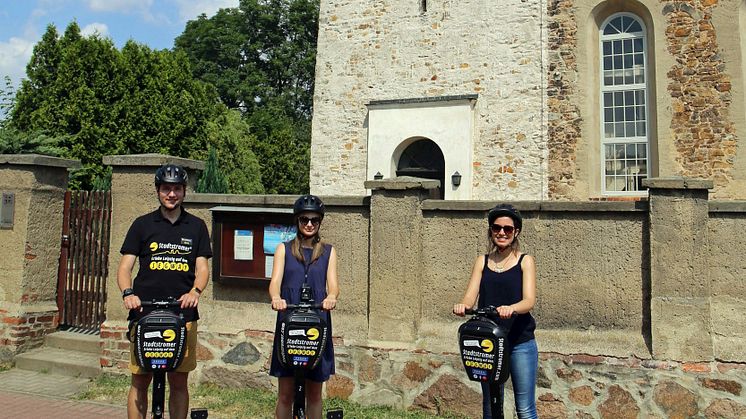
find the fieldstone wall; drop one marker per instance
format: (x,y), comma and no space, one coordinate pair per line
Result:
(700,87)
(564,117)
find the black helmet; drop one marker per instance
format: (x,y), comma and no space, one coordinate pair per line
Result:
(170,173)
(505,210)
(310,203)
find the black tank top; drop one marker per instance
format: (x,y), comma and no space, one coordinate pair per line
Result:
(505,288)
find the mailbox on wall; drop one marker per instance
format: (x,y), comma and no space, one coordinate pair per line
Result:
(244,241)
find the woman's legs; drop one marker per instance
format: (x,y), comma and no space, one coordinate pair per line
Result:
(524,361)
(313,399)
(285,393)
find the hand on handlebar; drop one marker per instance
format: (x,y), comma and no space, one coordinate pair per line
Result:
(132,302)
(329,303)
(459,309)
(506,312)
(189,300)
(278,304)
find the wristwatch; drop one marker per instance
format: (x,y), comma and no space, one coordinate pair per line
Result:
(127,292)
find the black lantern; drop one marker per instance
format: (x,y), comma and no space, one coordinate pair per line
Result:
(456,178)
(378,176)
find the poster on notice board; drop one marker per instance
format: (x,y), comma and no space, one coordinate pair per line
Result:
(274,234)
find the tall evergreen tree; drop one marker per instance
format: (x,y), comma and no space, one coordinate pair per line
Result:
(212,179)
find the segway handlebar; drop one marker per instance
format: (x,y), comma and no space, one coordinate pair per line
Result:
(485,311)
(305,305)
(162,304)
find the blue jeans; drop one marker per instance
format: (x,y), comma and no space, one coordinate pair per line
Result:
(524,361)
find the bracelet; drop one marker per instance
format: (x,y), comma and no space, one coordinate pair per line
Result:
(199,291)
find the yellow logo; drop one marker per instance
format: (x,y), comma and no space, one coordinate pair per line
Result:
(153,246)
(312,333)
(487,345)
(169,335)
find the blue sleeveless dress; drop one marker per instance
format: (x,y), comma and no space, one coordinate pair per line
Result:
(292,280)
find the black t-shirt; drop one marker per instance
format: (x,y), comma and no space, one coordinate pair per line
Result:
(167,254)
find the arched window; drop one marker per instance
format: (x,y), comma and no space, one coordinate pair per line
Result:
(624,90)
(424,159)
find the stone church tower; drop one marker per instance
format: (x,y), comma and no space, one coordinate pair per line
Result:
(530,99)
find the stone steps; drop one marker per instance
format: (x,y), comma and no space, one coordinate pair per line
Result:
(64,353)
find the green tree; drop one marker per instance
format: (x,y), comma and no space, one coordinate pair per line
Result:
(261,53)
(230,136)
(283,150)
(212,179)
(13,141)
(104,101)
(261,58)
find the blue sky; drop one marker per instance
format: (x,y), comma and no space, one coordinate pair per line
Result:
(151,22)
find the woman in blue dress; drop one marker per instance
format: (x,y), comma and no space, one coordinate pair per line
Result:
(305,259)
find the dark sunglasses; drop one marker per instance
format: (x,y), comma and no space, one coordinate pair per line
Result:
(507,229)
(314,220)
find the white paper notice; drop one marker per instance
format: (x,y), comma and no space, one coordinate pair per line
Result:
(269,260)
(243,245)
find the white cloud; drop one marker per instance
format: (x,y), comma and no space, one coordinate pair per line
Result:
(95,28)
(190,9)
(122,6)
(14,55)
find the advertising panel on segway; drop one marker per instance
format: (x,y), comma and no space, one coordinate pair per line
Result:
(483,344)
(160,342)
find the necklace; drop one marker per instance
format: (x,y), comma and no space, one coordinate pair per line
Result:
(501,268)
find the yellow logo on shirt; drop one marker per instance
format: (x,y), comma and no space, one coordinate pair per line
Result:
(153,246)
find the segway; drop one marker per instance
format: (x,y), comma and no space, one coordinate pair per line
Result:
(303,334)
(485,353)
(160,341)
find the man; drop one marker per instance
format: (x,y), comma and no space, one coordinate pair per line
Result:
(173,247)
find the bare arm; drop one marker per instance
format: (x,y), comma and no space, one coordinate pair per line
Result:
(275,283)
(332,284)
(472,288)
(124,280)
(201,276)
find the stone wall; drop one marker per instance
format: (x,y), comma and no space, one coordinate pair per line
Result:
(30,250)
(381,50)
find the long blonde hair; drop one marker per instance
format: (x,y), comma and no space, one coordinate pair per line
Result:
(297,251)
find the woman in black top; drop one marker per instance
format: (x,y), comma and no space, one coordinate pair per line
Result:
(506,278)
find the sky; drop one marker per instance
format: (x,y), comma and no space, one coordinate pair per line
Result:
(155,23)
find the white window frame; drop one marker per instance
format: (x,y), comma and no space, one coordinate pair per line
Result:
(626,87)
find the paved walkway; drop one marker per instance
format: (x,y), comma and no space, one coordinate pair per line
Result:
(34,395)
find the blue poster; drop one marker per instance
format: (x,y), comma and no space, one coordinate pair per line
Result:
(274,234)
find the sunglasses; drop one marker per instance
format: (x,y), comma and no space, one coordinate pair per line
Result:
(314,220)
(507,229)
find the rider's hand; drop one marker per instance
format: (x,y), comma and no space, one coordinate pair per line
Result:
(459,309)
(132,302)
(329,303)
(278,304)
(190,299)
(505,312)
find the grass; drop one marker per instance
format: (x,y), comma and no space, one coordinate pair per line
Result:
(5,366)
(242,403)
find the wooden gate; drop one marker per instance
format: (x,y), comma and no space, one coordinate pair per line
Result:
(84,260)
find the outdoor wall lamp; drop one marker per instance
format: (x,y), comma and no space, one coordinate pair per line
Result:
(378,176)
(456,178)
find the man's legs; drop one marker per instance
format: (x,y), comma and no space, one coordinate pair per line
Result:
(178,400)
(137,398)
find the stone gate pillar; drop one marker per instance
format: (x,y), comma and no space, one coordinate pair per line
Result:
(396,255)
(34,189)
(132,195)
(680,282)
